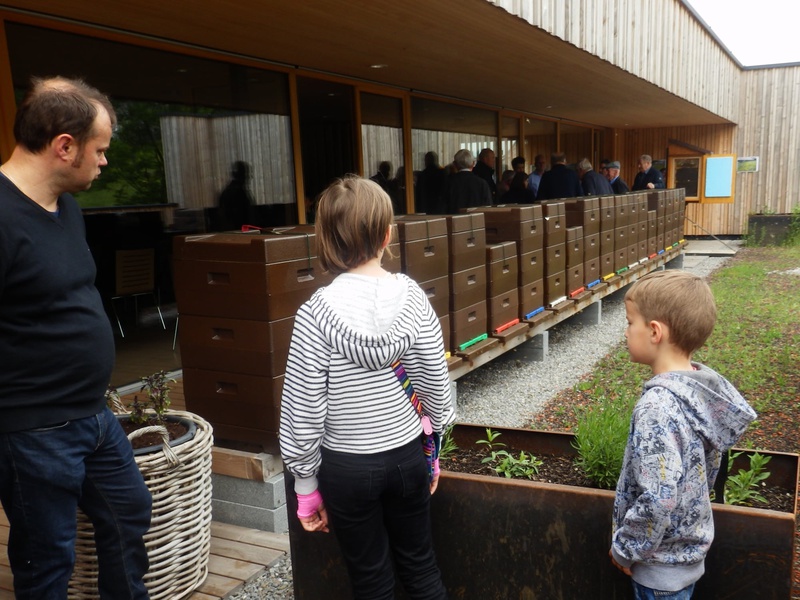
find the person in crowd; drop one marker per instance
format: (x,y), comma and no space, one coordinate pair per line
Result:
(519,192)
(617,183)
(647,178)
(504,185)
(235,201)
(349,433)
(593,183)
(485,170)
(603,166)
(560,181)
(535,177)
(430,186)
(687,418)
(384,175)
(61,448)
(464,189)
(518,164)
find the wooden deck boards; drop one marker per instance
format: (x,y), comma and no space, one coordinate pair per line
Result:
(238,554)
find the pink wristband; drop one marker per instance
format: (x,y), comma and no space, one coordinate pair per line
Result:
(436,467)
(308,504)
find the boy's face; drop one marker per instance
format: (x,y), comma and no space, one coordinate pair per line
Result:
(638,335)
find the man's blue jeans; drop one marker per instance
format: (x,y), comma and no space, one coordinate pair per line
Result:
(45,475)
(644,593)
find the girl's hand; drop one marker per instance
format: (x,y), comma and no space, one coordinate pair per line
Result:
(316,522)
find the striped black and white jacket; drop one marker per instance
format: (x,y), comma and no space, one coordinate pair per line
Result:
(340,391)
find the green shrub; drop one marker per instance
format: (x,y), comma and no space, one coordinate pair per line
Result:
(601,434)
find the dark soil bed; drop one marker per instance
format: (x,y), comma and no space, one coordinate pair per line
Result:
(562,469)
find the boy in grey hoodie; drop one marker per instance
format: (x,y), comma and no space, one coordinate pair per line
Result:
(687,417)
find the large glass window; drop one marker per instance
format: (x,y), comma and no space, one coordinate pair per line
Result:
(509,140)
(446,128)
(540,138)
(185,123)
(438,131)
(382,145)
(687,174)
(576,142)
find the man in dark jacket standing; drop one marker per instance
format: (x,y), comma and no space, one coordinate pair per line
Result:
(485,170)
(559,181)
(647,178)
(592,182)
(617,183)
(464,188)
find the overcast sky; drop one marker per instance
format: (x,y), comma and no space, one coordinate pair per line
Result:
(761,32)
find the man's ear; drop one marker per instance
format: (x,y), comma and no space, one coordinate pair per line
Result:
(64,146)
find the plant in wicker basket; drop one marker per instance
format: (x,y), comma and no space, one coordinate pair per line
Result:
(178,474)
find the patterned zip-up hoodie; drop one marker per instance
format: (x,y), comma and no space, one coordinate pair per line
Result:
(663,525)
(340,390)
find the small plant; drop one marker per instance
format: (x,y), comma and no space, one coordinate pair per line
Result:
(157,388)
(449,445)
(743,487)
(601,434)
(526,465)
(491,436)
(504,463)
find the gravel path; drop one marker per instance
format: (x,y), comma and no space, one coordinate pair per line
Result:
(509,390)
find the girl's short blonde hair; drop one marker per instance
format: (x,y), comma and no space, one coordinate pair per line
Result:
(352,218)
(680,300)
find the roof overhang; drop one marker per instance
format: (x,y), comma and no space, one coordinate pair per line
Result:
(470,50)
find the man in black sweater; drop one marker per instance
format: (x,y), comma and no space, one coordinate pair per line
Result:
(60,446)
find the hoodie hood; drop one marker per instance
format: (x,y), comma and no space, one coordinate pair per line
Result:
(715,409)
(372,321)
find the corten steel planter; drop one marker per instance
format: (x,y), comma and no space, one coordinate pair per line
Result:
(499,538)
(768,230)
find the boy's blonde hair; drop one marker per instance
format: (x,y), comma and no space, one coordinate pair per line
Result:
(352,218)
(680,300)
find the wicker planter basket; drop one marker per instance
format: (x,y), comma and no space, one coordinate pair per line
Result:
(179,540)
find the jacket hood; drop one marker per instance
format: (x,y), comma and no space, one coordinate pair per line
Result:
(716,410)
(371,321)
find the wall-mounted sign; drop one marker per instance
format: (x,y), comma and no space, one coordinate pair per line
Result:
(747,164)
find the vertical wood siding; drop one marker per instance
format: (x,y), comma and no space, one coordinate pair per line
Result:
(770,129)
(659,41)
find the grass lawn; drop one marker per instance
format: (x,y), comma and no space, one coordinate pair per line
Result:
(755,344)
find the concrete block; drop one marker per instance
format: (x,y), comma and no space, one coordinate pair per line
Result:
(536,349)
(591,315)
(454,394)
(675,263)
(268,494)
(274,520)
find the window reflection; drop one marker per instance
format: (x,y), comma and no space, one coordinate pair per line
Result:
(687,174)
(576,142)
(382,145)
(183,121)
(540,139)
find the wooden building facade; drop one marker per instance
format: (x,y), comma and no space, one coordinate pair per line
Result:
(309,91)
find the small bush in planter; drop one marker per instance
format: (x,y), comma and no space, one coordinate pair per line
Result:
(151,411)
(600,438)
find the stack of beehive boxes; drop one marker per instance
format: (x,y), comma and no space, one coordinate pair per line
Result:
(522,224)
(237,295)
(555,252)
(502,274)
